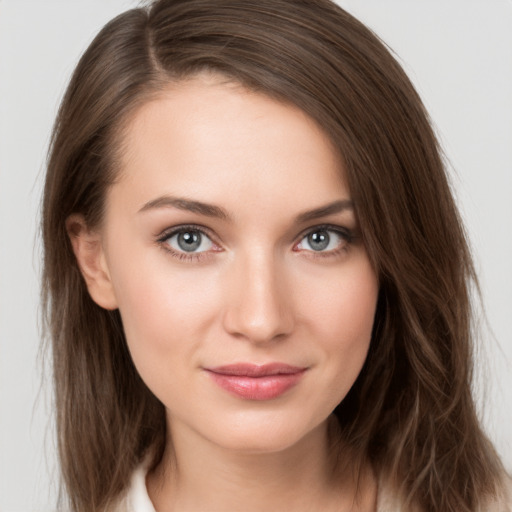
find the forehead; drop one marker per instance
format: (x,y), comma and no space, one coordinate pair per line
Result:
(213,138)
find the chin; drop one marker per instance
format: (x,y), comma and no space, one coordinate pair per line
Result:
(264,435)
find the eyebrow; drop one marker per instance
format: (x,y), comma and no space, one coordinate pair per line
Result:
(323,211)
(210,210)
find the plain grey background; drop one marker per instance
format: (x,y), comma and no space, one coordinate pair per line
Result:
(457,52)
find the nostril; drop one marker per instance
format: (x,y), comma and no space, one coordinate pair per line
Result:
(259,321)
(242,324)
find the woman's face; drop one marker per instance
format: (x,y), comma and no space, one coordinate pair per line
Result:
(235,259)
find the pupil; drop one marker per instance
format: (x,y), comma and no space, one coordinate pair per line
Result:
(319,240)
(189,241)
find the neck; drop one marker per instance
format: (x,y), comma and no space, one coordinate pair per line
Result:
(310,475)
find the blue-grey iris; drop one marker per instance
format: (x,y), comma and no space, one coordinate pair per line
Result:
(189,241)
(319,240)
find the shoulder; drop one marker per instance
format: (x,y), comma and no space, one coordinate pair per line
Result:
(136,498)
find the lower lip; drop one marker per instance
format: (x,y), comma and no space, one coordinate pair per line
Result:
(257,388)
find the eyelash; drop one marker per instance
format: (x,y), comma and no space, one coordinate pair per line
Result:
(183,256)
(347,236)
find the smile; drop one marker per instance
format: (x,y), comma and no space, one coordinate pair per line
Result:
(254,382)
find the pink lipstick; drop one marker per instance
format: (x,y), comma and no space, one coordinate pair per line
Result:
(256,382)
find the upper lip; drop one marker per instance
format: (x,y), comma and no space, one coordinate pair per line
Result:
(256,370)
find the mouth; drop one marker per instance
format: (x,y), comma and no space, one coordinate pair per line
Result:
(256,382)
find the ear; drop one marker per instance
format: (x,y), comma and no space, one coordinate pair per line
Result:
(91,260)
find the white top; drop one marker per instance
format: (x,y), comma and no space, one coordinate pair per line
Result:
(137,499)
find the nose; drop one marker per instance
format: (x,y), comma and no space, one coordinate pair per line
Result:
(259,306)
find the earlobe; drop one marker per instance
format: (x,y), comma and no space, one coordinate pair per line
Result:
(91,260)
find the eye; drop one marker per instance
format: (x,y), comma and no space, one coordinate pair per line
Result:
(324,239)
(188,240)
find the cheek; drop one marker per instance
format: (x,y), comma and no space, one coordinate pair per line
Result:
(343,306)
(164,310)
(341,314)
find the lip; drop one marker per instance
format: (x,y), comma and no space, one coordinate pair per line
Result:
(256,382)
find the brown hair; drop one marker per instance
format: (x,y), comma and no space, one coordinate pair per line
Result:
(410,412)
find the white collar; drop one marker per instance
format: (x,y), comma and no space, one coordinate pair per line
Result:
(137,499)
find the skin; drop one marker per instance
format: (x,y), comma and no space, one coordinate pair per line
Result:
(256,290)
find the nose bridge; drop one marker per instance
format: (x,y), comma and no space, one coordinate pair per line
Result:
(259,307)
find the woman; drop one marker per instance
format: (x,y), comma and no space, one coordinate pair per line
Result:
(255,275)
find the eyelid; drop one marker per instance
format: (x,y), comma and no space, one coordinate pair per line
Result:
(167,233)
(170,231)
(347,234)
